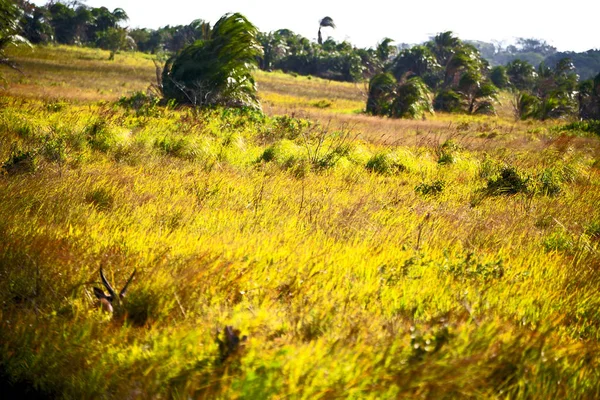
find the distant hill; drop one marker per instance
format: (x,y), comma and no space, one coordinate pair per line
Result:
(587,63)
(536,51)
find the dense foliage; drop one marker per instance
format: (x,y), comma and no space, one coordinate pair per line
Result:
(409,98)
(589,98)
(218,69)
(9,30)
(77,23)
(546,92)
(445,64)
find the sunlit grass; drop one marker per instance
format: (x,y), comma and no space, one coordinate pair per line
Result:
(456,257)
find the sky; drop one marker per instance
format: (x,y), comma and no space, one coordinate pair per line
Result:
(569,26)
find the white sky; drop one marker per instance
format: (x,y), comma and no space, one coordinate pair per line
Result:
(571,25)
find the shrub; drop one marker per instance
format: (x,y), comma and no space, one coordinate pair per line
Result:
(21,162)
(550,182)
(590,126)
(472,268)
(99,135)
(430,189)
(285,153)
(446,153)
(385,163)
(142,305)
(172,146)
(142,103)
(286,127)
(558,241)
(511,181)
(448,101)
(55,150)
(593,229)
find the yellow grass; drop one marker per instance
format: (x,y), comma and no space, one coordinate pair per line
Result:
(395,264)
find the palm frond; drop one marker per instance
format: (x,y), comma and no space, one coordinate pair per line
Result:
(216,71)
(327,22)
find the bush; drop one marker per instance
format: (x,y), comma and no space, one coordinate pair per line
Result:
(286,127)
(447,152)
(590,126)
(430,189)
(550,182)
(142,103)
(55,150)
(99,135)
(511,181)
(142,305)
(558,241)
(593,229)
(285,153)
(448,101)
(385,163)
(472,268)
(21,162)
(174,146)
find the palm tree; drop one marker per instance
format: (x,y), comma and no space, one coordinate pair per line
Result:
(218,70)
(385,51)
(381,88)
(478,95)
(443,46)
(522,75)
(499,77)
(412,100)
(588,97)
(326,22)
(418,60)
(119,15)
(464,59)
(408,98)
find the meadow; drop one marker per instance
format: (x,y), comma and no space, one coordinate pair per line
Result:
(363,257)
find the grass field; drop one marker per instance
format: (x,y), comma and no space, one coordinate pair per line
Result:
(452,257)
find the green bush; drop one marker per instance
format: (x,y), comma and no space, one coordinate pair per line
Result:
(142,103)
(472,268)
(558,241)
(448,101)
(172,146)
(447,152)
(590,126)
(99,135)
(593,229)
(285,153)
(385,163)
(55,150)
(550,182)
(141,306)
(511,181)
(430,189)
(21,161)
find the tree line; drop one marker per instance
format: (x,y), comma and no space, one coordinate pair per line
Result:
(447,74)
(443,74)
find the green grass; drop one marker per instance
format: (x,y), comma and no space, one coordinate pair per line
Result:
(357,268)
